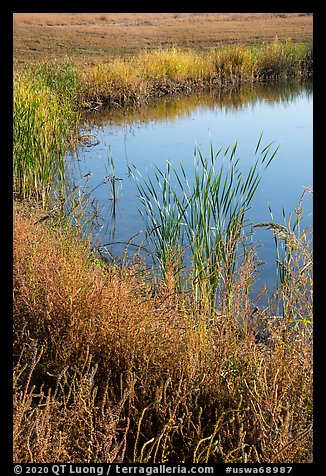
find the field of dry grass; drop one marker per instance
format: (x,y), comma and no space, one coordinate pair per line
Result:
(89,37)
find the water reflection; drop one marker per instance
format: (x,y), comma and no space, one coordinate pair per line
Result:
(168,129)
(178,106)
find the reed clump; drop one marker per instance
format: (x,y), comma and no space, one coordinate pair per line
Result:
(109,369)
(203,215)
(44,124)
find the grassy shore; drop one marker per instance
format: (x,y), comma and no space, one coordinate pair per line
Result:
(164,71)
(48,95)
(111,365)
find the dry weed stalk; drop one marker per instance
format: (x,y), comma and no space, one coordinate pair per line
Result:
(111,371)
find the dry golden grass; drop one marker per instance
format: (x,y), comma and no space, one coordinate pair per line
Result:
(107,368)
(89,37)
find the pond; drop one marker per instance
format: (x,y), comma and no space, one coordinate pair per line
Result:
(171,127)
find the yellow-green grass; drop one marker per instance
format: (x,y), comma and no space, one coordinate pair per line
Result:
(48,96)
(164,71)
(44,123)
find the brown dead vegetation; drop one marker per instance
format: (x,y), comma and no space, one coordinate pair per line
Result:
(107,370)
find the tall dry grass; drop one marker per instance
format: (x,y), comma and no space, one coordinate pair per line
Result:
(61,19)
(164,71)
(108,368)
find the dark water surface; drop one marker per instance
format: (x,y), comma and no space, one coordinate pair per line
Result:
(169,129)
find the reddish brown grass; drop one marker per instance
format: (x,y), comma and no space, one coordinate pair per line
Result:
(109,369)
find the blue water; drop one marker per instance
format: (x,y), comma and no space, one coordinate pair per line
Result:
(154,135)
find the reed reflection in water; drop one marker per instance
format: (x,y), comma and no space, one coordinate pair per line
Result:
(170,128)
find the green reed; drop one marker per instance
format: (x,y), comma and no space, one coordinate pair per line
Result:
(44,124)
(61,78)
(203,217)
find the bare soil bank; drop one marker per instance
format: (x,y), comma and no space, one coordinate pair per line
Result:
(92,37)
